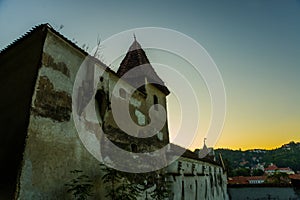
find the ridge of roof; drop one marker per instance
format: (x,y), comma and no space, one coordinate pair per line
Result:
(23,37)
(134,47)
(191,155)
(47,26)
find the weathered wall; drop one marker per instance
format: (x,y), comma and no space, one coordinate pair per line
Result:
(193,179)
(53,147)
(152,90)
(139,105)
(18,71)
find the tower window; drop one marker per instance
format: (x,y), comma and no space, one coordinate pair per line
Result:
(155,102)
(122,93)
(100,98)
(133,148)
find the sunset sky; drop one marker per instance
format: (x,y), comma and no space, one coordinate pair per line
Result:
(255,44)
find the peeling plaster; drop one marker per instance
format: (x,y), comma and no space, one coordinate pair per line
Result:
(140,117)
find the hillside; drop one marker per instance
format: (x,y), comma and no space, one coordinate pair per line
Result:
(287,155)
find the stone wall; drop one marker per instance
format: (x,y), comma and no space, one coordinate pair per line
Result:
(53,147)
(195,179)
(18,70)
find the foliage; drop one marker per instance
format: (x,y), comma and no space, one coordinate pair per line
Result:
(286,156)
(126,190)
(127,186)
(118,185)
(257,172)
(161,190)
(241,172)
(278,178)
(80,186)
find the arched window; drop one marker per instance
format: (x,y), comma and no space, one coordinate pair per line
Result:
(122,93)
(155,102)
(101,100)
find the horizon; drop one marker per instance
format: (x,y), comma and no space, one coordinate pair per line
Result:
(255,45)
(249,149)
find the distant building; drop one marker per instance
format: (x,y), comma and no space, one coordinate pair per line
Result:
(259,167)
(295,180)
(237,180)
(245,180)
(257,151)
(286,170)
(207,152)
(256,179)
(272,168)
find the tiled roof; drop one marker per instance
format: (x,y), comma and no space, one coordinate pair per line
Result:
(135,57)
(271,167)
(189,154)
(238,180)
(256,178)
(244,179)
(46,27)
(285,168)
(40,27)
(295,176)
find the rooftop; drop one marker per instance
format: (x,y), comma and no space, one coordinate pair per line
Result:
(136,59)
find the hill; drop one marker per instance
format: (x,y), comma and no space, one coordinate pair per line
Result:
(288,155)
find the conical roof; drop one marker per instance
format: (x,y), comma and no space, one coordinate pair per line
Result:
(136,60)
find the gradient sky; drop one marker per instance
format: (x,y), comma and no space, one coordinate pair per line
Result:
(255,44)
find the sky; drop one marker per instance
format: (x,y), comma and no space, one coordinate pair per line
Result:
(255,44)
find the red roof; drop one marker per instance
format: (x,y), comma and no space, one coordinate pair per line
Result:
(271,168)
(256,178)
(284,168)
(295,176)
(244,179)
(237,180)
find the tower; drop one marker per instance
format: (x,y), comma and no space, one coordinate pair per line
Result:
(136,73)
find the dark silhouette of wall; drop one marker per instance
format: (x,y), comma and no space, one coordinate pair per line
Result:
(19,65)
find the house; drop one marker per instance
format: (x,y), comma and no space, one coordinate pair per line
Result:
(271,169)
(40,112)
(286,170)
(256,179)
(245,180)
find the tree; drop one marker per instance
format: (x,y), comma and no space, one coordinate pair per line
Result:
(241,172)
(80,186)
(278,178)
(161,190)
(127,190)
(257,172)
(118,185)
